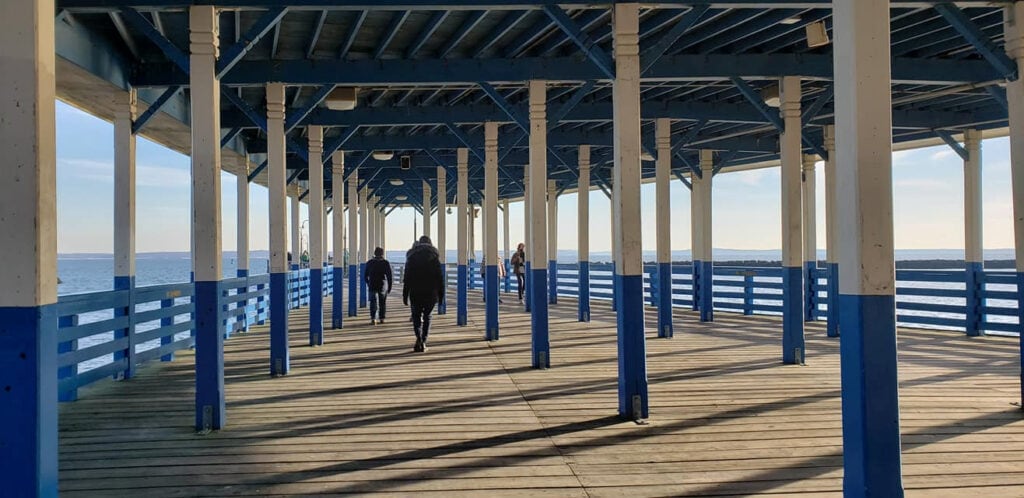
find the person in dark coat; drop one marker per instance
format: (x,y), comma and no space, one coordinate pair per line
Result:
(378,270)
(423,288)
(519,267)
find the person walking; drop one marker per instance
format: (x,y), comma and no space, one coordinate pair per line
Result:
(378,270)
(519,267)
(424,287)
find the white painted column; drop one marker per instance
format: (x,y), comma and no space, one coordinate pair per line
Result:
(315,135)
(793,348)
(206,217)
(427,208)
(810,222)
(583,234)
(633,402)
(338,213)
(974,242)
(552,242)
(364,234)
(124,227)
(242,221)
(528,242)
(296,231)
(490,223)
(371,226)
(462,191)
(701,215)
(442,231)
(277,194)
(28,236)
(353,242)
(1014,35)
(663,218)
(870,398)
(541,348)
(831,233)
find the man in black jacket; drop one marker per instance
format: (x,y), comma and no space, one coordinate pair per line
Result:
(377,271)
(424,287)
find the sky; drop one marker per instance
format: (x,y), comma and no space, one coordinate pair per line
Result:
(927,184)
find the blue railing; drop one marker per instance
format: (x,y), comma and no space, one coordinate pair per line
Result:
(109,334)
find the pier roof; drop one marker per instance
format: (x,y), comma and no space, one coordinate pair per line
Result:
(429,74)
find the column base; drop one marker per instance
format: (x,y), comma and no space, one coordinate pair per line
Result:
(540,344)
(210,408)
(832,325)
(870,395)
(552,282)
(28,408)
(974,273)
(491,291)
(665,327)
(362,286)
(462,304)
(316,307)
(793,347)
(337,303)
(810,296)
(353,286)
(583,308)
(632,348)
(279,361)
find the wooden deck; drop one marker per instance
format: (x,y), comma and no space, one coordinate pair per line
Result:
(364,414)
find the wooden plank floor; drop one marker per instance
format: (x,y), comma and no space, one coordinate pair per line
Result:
(364,414)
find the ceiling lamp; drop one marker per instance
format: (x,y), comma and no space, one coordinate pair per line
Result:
(789,21)
(341,99)
(770,95)
(398,182)
(401,197)
(817,35)
(382,155)
(646,156)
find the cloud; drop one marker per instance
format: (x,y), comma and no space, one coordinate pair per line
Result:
(146,175)
(942,154)
(925,184)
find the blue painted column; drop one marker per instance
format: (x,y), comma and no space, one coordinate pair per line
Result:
(583,234)
(1014,38)
(210,413)
(462,278)
(538,170)
(315,135)
(831,233)
(364,250)
(490,225)
(793,348)
(124,229)
(277,198)
(552,242)
(870,389)
(242,239)
(442,232)
(338,213)
(353,242)
(632,354)
(700,226)
(663,216)
(810,238)
(974,248)
(28,236)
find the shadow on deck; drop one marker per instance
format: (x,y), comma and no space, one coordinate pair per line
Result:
(365,414)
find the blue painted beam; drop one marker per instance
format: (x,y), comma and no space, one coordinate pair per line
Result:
(139,22)
(460,34)
(228,58)
(683,179)
(754,98)
(812,112)
(333,146)
(690,136)
(293,119)
(504,105)
(466,141)
(470,71)
(585,20)
(947,137)
(154,108)
(260,121)
(229,136)
(499,31)
(594,52)
(577,97)
(981,42)
(315,36)
(651,54)
(258,170)
(357,23)
(428,30)
(389,33)
(999,95)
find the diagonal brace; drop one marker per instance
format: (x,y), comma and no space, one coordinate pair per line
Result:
(252,36)
(981,42)
(595,53)
(154,108)
(651,54)
(139,22)
(953,144)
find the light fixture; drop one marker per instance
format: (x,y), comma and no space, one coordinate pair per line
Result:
(401,197)
(817,35)
(449,210)
(405,162)
(790,20)
(646,156)
(398,182)
(770,95)
(341,99)
(383,155)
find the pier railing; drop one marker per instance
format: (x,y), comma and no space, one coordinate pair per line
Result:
(108,334)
